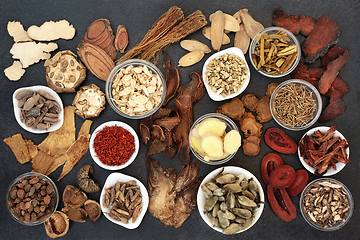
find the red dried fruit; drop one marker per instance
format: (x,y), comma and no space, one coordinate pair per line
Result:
(294,24)
(281,203)
(279,141)
(324,34)
(301,179)
(333,53)
(335,108)
(282,177)
(268,164)
(332,71)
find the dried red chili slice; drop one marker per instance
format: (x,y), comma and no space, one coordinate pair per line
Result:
(301,179)
(268,164)
(279,141)
(281,203)
(282,177)
(324,34)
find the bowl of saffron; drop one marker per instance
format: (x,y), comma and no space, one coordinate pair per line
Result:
(114,145)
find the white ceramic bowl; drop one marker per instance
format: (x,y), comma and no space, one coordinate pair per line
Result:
(339,165)
(110,182)
(213,95)
(113,123)
(236,171)
(53,127)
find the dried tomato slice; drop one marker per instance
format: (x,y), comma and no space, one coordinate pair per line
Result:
(268,164)
(279,141)
(301,179)
(282,177)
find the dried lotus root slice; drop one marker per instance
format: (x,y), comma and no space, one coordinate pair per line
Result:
(89,101)
(64,72)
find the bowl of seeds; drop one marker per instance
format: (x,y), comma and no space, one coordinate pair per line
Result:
(274,52)
(295,104)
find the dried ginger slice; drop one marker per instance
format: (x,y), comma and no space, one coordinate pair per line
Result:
(31,52)
(19,147)
(17,32)
(50,30)
(15,71)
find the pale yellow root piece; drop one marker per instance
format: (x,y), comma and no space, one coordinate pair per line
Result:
(212,145)
(191,58)
(17,32)
(196,144)
(242,39)
(85,129)
(57,163)
(206,31)
(237,17)
(232,141)
(50,30)
(211,125)
(193,45)
(15,71)
(252,27)
(217,30)
(231,24)
(31,52)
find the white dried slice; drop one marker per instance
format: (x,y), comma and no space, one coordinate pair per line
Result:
(31,52)
(89,101)
(191,58)
(17,32)
(15,71)
(141,99)
(242,39)
(50,30)
(192,45)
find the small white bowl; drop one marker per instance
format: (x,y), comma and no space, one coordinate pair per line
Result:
(109,124)
(53,127)
(236,171)
(339,165)
(110,182)
(213,95)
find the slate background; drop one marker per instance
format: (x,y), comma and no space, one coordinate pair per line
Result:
(138,17)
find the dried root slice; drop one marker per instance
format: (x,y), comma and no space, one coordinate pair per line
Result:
(196,144)
(15,71)
(217,30)
(207,33)
(31,52)
(231,23)
(211,125)
(95,59)
(252,27)
(242,39)
(89,101)
(49,31)
(121,39)
(191,58)
(64,72)
(212,145)
(232,141)
(233,109)
(193,45)
(57,225)
(17,32)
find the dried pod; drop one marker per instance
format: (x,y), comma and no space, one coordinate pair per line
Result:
(64,72)
(89,101)
(121,38)
(93,210)
(75,214)
(191,58)
(95,59)
(57,225)
(84,180)
(73,197)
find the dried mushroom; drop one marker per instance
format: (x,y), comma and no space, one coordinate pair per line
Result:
(89,101)
(73,197)
(64,72)
(93,210)
(75,214)
(84,180)
(57,225)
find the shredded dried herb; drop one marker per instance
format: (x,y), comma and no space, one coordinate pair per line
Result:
(294,105)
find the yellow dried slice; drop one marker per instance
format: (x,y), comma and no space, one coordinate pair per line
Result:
(206,31)
(252,27)
(192,45)
(242,39)
(231,24)
(191,58)
(212,145)
(217,30)
(232,141)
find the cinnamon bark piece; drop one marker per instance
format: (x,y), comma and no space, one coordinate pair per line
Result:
(172,79)
(332,71)
(335,108)
(295,24)
(19,147)
(121,38)
(324,34)
(95,59)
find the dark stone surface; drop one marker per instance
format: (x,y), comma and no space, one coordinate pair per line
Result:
(138,17)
